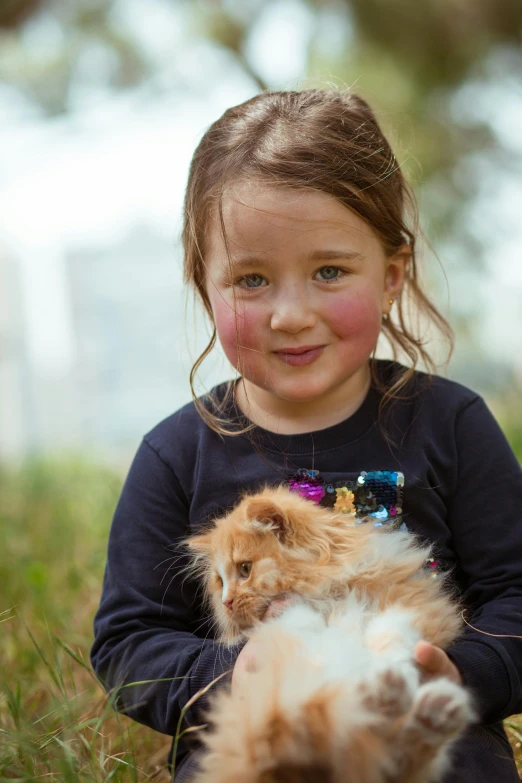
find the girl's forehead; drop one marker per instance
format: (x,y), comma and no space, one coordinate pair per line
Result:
(262,219)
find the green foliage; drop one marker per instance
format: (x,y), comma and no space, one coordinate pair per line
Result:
(438,41)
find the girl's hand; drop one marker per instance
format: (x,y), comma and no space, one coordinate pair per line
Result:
(435,663)
(246,663)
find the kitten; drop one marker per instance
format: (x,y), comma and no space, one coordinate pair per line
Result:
(337,696)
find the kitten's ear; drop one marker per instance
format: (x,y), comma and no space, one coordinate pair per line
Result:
(199,544)
(265,515)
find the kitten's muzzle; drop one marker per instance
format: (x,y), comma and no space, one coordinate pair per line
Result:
(247,611)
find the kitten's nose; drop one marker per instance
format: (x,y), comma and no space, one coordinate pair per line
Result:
(228,602)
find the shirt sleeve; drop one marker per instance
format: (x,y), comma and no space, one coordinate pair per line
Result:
(144,627)
(485,518)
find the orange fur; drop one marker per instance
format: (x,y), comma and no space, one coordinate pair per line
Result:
(278,727)
(297,547)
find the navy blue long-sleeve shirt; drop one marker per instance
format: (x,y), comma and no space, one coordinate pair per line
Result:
(462,490)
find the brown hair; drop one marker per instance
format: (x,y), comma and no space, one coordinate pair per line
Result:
(327,140)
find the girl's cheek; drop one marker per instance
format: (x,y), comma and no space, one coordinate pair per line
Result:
(355,314)
(243,327)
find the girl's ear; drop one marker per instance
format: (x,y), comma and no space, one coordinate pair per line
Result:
(265,515)
(396,266)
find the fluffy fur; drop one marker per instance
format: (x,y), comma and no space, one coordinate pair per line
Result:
(337,696)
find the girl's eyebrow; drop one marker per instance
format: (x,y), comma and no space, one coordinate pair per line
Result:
(331,255)
(314,255)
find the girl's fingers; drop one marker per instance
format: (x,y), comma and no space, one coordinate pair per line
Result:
(435,663)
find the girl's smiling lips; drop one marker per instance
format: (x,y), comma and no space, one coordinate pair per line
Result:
(305,354)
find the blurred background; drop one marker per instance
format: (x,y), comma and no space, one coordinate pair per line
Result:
(101,106)
(102,103)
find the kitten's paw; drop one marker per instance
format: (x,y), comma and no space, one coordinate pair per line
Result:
(442,709)
(389,695)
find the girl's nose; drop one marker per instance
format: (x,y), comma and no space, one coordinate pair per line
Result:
(292,314)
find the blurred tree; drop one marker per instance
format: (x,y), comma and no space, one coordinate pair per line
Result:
(438,41)
(14,12)
(435,43)
(46,72)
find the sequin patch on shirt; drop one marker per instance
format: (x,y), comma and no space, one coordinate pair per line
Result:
(375,496)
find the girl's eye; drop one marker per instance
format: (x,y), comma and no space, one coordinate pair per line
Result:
(244,570)
(330,274)
(252,281)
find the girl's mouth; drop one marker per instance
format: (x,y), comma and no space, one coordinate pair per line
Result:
(300,356)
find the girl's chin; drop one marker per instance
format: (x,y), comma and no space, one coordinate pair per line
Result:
(300,392)
(311,386)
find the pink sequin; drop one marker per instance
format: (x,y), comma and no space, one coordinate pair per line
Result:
(308,489)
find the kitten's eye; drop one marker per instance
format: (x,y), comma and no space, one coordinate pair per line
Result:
(219,580)
(244,570)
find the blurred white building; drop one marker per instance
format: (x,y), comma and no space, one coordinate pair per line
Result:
(128,324)
(129,360)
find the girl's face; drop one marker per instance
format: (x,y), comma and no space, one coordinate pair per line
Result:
(298,308)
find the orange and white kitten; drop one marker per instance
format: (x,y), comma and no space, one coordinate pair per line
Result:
(336,696)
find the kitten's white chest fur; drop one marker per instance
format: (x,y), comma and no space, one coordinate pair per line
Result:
(353,639)
(365,657)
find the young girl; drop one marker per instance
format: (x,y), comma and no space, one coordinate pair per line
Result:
(297,240)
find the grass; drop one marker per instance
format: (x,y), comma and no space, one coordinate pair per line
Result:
(56,722)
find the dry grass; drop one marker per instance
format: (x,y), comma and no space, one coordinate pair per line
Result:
(55,720)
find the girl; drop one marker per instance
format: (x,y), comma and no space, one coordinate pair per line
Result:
(298,241)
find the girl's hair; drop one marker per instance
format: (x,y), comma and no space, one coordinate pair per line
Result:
(321,139)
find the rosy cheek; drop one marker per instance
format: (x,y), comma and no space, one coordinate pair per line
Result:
(356,314)
(224,319)
(243,328)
